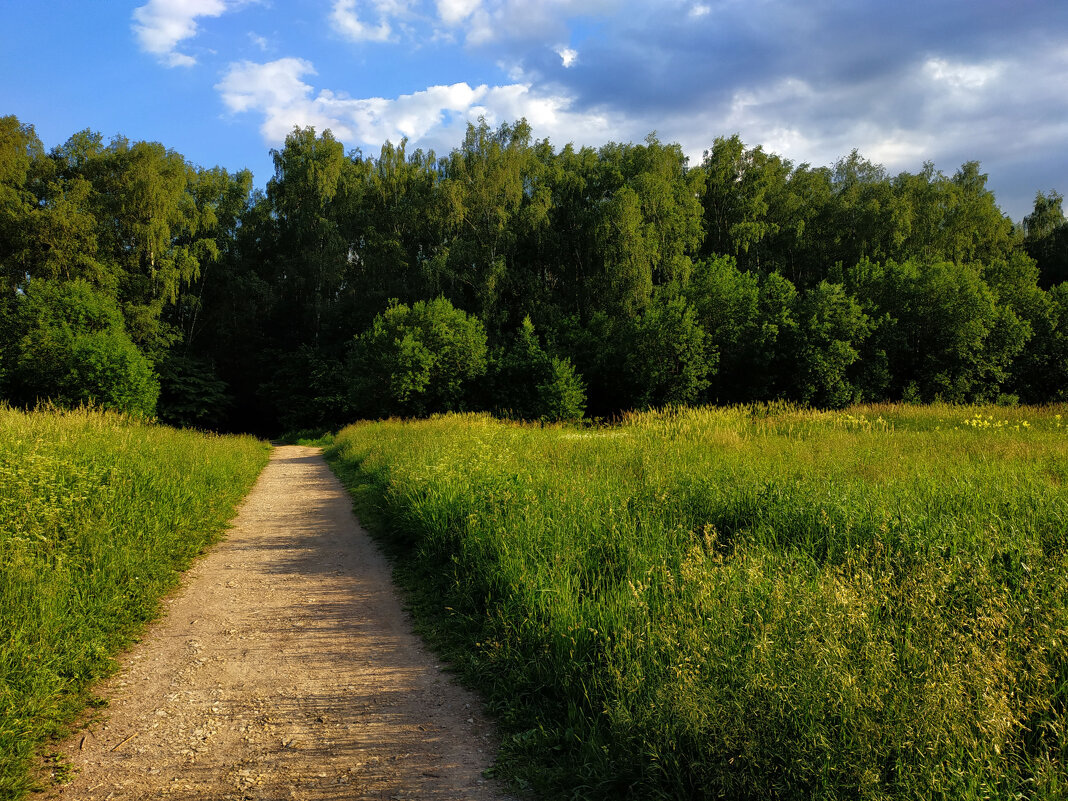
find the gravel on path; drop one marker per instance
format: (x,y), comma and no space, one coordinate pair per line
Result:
(284,668)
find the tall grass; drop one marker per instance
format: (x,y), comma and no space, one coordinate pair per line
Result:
(756,602)
(98,514)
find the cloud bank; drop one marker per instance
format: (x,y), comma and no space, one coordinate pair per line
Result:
(904,83)
(432,118)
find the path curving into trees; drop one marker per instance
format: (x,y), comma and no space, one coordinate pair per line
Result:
(284,668)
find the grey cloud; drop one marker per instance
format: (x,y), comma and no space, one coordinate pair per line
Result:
(948,81)
(659,59)
(859,73)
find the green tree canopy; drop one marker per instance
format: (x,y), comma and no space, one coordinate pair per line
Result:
(1046,238)
(531,384)
(938,329)
(832,329)
(669,360)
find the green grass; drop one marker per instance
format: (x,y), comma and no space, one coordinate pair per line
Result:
(311,437)
(745,603)
(98,514)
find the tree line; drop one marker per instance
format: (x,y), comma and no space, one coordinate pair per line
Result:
(512,276)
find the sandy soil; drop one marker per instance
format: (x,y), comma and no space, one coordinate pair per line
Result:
(284,668)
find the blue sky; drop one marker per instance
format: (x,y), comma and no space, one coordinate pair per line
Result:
(222,81)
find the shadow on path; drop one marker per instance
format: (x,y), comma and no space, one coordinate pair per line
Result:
(286,669)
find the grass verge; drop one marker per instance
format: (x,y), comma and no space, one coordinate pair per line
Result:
(757,602)
(98,515)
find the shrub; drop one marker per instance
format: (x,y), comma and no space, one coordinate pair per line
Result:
(416,360)
(71,347)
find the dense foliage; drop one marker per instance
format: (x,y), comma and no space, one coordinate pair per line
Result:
(340,290)
(416,360)
(749,603)
(98,514)
(69,345)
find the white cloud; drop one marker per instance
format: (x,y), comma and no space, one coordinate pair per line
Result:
(794,118)
(433,118)
(274,89)
(800,119)
(344,17)
(482,28)
(567,55)
(260,41)
(515,70)
(453,12)
(643,69)
(161,24)
(957,75)
(478,22)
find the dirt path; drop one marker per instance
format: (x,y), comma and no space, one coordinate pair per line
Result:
(284,669)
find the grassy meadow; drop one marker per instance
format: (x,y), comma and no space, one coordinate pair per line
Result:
(747,603)
(98,514)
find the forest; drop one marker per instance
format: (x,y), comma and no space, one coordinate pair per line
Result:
(515,277)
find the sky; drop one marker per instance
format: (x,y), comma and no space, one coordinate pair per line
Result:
(223,81)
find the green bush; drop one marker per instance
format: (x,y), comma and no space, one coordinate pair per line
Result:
(561,392)
(670,360)
(833,327)
(417,360)
(70,347)
(938,332)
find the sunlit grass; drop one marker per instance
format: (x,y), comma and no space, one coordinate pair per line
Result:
(98,514)
(755,602)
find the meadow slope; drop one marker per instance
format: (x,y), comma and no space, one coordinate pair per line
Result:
(757,602)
